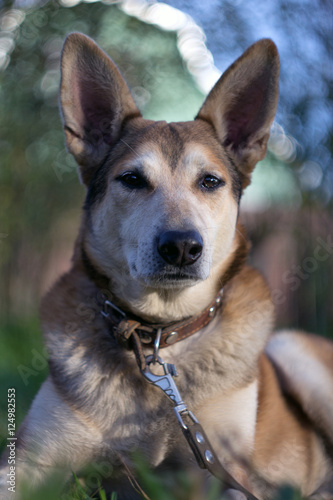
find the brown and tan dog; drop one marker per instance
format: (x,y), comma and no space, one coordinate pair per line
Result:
(160,238)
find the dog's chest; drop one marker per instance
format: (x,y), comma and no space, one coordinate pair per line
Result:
(230,420)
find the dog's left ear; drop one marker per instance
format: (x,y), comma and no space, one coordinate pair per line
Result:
(95,101)
(242,105)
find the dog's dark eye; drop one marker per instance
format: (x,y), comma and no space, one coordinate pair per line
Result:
(133,180)
(211,182)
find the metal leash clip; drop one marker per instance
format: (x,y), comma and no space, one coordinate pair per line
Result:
(166,383)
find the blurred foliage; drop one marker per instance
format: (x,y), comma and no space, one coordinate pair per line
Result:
(23,367)
(302,31)
(149,485)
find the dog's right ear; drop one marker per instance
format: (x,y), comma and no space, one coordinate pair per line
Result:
(242,105)
(95,101)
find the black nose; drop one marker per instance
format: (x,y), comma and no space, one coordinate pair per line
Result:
(180,248)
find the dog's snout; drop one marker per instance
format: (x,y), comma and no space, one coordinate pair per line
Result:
(180,248)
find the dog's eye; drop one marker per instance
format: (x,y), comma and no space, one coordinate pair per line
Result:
(133,180)
(211,182)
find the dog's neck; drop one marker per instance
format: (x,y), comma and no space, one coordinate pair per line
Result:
(166,305)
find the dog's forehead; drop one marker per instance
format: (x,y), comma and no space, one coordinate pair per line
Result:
(176,145)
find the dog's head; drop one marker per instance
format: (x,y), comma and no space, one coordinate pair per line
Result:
(162,200)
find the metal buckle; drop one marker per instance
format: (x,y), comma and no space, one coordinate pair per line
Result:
(108,303)
(157,345)
(179,412)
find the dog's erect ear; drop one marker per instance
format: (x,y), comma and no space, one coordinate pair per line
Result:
(95,101)
(242,105)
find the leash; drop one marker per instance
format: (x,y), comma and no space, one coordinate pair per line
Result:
(131,330)
(192,430)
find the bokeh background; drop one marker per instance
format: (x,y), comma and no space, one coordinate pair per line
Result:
(170,54)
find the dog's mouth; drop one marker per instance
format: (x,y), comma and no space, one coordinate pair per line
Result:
(171,280)
(168,277)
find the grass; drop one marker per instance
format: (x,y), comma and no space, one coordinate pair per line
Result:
(158,490)
(74,491)
(23,367)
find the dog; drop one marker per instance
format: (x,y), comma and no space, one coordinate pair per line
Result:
(160,244)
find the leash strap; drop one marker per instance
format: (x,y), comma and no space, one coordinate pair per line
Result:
(192,430)
(207,458)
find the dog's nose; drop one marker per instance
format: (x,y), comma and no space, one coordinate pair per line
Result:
(180,248)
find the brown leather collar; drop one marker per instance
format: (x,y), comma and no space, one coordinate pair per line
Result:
(122,325)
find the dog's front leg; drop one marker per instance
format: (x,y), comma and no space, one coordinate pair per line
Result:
(53,438)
